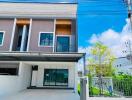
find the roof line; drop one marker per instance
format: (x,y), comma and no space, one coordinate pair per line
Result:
(39,2)
(120,57)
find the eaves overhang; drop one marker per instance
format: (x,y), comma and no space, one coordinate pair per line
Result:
(40,56)
(37,1)
(37,10)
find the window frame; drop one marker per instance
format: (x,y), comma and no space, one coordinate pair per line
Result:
(40,37)
(2,38)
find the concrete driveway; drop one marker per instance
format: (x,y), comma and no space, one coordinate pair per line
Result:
(44,94)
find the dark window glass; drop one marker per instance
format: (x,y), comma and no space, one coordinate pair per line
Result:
(19,43)
(63,44)
(9,68)
(46,39)
(1,37)
(20,31)
(56,77)
(8,71)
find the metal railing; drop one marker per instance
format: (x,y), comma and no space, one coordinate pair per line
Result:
(71,48)
(119,88)
(100,86)
(110,87)
(122,87)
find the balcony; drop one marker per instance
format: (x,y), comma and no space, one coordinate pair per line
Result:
(65,35)
(70,48)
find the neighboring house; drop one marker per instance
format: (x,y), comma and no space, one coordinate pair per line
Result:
(38,46)
(123,65)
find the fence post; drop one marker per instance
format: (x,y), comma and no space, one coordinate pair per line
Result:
(84,88)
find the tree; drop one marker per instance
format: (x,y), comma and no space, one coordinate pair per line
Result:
(101,60)
(100,64)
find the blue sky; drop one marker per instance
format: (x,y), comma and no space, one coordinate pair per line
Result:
(95,22)
(103,20)
(92,22)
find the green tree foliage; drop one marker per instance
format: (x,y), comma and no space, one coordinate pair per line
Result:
(100,60)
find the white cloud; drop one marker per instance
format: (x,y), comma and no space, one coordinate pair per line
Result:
(114,40)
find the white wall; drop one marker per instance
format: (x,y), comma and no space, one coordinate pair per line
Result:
(8,84)
(13,84)
(24,76)
(56,65)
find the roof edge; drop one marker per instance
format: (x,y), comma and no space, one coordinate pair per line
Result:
(39,2)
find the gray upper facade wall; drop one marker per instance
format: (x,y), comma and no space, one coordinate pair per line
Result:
(43,20)
(37,27)
(6,25)
(39,10)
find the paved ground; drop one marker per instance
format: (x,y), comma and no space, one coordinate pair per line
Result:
(48,94)
(44,94)
(106,98)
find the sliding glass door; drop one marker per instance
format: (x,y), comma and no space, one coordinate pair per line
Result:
(55,77)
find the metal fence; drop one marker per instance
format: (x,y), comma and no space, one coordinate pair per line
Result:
(122,87)
(100,86)
(110,87)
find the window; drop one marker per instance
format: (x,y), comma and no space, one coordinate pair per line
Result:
(46,39)
(1,37)
(56,77)
(9,68)
(63,44)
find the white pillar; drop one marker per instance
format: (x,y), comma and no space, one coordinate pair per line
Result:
(34,78)
(76,79)
(13,33)
(84,88)
(54,37)
(29,34)
(24,35)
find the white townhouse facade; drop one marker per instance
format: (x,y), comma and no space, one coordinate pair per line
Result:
(38,46)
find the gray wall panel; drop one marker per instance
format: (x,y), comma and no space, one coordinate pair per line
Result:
(7,26)
(37,27)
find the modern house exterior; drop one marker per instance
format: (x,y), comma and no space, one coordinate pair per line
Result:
(38,46)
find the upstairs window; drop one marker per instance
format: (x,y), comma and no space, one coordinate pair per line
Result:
(1,38)
(46,39)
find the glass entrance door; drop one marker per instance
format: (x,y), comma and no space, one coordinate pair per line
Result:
(55,77)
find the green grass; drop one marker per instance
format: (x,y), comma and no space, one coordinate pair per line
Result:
(78,88)
(95,91)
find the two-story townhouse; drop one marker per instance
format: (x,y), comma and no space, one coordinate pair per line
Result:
(38,46)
